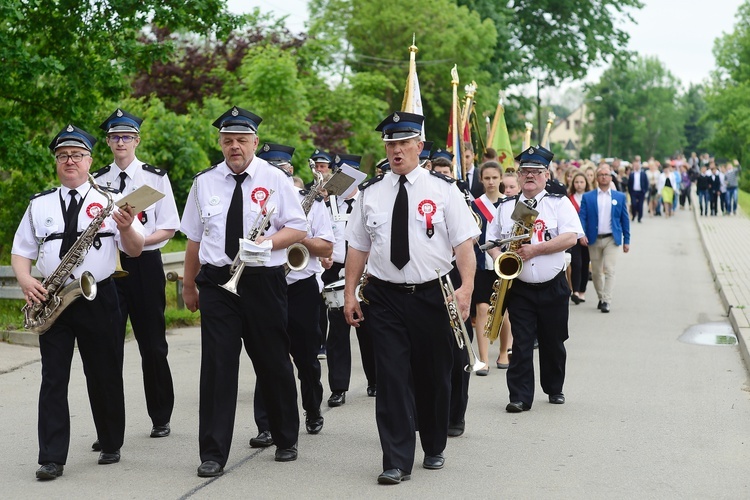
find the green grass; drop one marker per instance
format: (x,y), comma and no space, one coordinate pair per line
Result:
(745,201)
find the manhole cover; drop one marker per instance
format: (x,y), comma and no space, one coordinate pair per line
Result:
(709,334)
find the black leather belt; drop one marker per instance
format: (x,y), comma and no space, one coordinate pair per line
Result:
(248,269)
(544,284)
(403,287)
(606,235)
(142,254)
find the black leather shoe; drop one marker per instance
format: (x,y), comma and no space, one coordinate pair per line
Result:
(393,476)
(96,446)
(210,468)
(557,399)
(605,307)
(433,462)
(49,471)
(314,422)
(372,391)
(517,407)
(109,458)
(262,440)
(599,305)
(338,398)
(576,299)
(286,454)
(455,430)
(160,431)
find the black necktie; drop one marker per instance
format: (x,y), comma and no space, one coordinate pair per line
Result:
(531,203)
(71,224)
(349,203)
(123,176)
(400,227)
(234,219)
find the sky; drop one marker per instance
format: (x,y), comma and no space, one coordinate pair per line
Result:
(680,34)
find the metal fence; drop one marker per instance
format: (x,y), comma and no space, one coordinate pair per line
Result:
(174,265)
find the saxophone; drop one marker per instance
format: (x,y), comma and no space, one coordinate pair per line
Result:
(297,254)
(507,267)
(40,316)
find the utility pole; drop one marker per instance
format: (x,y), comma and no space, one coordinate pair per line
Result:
(538,112)
(609,146)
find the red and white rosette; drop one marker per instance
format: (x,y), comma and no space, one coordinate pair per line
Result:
(539,227)
(94,209)
(427,209)
(259,196)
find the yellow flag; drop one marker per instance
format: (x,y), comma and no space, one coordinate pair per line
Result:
(499,139)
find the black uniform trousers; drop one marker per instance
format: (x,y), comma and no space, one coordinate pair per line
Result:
(304,338)
(413,354)
(142,297)
(93,324)
(257,317)
(338,343)
(538,311)
(459,377)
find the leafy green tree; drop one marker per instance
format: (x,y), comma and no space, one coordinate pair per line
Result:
(638,113)
(697,130)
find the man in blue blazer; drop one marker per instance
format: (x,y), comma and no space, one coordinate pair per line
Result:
(604,217)
(637,187)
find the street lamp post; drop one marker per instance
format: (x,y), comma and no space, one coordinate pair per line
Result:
(609,145)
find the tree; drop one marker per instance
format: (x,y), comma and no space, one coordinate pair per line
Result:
(697,130)
(445,34)
(638,113)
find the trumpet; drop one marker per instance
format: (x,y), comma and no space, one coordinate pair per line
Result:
(457,324)
(238,265)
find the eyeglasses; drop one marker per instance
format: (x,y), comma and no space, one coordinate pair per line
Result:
(604,175)
(531,171)
(76,157)
(126,139)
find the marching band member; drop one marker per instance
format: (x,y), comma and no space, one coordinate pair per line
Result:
(48,232)
(538,300)
(142,291)
(406,225)
(303,291)
(223,203)
(338,342)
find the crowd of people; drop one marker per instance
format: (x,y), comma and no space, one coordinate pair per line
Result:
(409,258)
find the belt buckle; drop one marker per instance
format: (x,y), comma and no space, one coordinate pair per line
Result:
(409,288)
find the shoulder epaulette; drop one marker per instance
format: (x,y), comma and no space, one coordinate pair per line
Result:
(101,171)
(443,176)
(280,169)
(206,170)
(304,192)
(556,195)
(370,182)
(154,170)
(508,198)
(49,191)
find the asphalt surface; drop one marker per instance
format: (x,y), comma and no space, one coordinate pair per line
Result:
(647,415)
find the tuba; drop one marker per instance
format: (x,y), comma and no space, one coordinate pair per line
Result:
(40,316)
(507,267)
(457,324)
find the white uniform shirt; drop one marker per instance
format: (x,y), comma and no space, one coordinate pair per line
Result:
(556,216)
(369,227)
(162,214)
(48,218)
(339,227)
(205,216)
(318,226)
(604,206)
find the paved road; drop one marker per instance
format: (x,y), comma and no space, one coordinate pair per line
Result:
(646,415)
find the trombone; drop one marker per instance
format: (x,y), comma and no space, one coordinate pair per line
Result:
(457,324)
